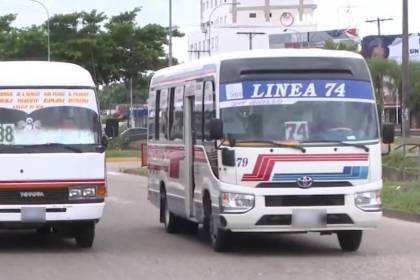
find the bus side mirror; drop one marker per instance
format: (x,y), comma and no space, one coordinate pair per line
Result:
(388,133)
(216,129)
(111,128)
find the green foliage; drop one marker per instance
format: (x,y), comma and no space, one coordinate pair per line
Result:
(381,68)
(114,49)
(118,153)
(397,160)
(403,197)
(342,46)
(414,97)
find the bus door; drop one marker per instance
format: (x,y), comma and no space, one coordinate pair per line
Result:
(189,148)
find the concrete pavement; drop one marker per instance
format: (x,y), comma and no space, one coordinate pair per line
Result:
(130,244)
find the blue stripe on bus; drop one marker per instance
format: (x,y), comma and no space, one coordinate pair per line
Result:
(349,173)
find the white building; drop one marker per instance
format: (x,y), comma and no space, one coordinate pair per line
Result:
(221,20)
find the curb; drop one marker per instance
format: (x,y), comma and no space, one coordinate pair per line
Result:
(401,216)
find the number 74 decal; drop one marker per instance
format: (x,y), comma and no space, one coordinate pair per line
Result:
(296,131)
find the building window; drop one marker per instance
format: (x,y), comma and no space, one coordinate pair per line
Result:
(252,15)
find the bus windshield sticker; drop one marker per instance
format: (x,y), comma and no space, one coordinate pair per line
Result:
(256,93)
(297,131)
(31,100)
(7,134)
(234,91)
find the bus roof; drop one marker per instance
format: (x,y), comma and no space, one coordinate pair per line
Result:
(43,74)
(210,62)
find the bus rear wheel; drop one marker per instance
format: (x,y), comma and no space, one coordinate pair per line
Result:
(350,240)
(171,222)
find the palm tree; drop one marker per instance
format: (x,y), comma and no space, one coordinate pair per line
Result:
(381,70)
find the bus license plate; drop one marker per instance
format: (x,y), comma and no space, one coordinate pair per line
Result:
(33,215)
(309,218)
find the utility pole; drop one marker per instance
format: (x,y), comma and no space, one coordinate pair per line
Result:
(170,59)
(48,26)
(131,103)
(378,21)
(405,74)
(251,36)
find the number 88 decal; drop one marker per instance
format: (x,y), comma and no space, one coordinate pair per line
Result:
(7,133)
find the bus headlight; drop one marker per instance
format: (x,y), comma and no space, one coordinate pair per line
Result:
(369,201)
(236,202)
(85,192)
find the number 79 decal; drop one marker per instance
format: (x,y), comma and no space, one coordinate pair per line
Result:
(297,131)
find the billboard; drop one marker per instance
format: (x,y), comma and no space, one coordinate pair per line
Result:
(312,38)
(390,46)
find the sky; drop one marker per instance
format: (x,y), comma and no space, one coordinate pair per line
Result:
(331,14)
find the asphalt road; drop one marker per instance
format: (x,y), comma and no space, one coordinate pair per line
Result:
(130,244)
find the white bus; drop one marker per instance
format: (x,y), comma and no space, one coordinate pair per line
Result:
(51,153)
(267,141)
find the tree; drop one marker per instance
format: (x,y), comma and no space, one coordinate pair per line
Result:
(414,97)
(384,70)
(342,46)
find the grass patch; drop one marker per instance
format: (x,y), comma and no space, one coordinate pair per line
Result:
(122,154)
(397,160)
(404,197)
(137,171)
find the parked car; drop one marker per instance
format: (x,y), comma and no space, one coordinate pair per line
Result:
(134,134)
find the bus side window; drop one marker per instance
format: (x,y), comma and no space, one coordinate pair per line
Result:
(177,128)
(157,115)
(209,107)
(198,111)
(151,115)
(163,115)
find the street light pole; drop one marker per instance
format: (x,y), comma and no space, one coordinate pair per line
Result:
(209,20)
(405,74)
(48,26)
(170,59)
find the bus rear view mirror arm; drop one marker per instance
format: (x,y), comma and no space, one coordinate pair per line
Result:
(216,129)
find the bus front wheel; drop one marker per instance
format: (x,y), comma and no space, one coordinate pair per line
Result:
(219,238)
(350,240)
(85,234)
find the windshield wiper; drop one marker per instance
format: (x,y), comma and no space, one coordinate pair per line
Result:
(59,145)
(281,145)
(347,144)
(65,146)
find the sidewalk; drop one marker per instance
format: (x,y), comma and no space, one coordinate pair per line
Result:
(120,164)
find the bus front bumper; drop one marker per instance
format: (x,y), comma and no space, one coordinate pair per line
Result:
(282,220)
(272,218)
(51,213)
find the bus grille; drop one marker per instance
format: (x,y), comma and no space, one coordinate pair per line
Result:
(304,200)
(286,220)
(34,196)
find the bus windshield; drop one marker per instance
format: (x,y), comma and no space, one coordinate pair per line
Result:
(303,121)
(41,117)
(304,112)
